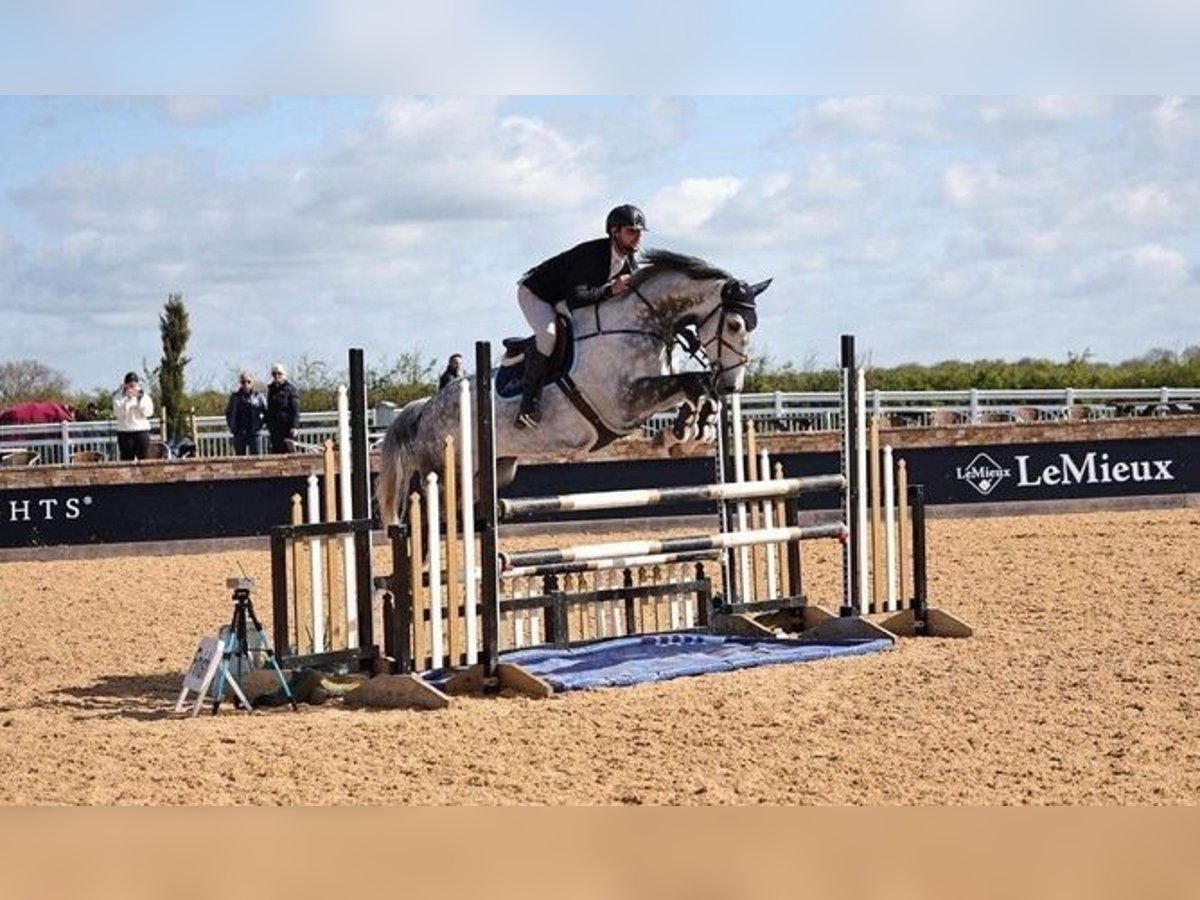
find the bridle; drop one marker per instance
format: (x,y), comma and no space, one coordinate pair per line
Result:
(727,307)
(736,298)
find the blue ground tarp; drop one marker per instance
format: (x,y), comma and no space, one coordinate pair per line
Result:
(634,660)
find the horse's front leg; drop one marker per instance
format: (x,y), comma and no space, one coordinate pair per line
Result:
(655,393)
(708,409)
(695,389)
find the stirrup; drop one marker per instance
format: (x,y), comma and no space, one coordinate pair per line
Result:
(529,419)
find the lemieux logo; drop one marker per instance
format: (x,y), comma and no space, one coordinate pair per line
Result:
(983,473)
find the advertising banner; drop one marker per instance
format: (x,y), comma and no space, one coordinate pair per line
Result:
(1000,473)
(159,511)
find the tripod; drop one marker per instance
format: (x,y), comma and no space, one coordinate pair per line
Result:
(238,646)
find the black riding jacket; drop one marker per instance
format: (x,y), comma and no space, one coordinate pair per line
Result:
(579,275)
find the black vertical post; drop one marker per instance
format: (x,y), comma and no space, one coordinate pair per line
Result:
(488,519)
(279,594)
(851,601)
(389,630)
(558,631)
(365,580)
(360,480)
(703,597)
(791,515)
(360,500)
(402,617)
(920,599)
(631,625)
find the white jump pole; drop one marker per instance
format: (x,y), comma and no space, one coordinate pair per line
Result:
(721,541)
(891,551)
(316,571)
(860,519)
(344,498)
(739,475)
(466,490)
(433,545)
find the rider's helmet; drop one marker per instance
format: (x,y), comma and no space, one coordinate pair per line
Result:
(625,215)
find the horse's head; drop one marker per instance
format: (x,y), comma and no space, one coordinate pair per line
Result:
(725,332)
(715,312)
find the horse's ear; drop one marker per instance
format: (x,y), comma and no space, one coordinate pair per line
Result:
(756,289)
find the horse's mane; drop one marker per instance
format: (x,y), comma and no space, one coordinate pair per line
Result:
(691,266)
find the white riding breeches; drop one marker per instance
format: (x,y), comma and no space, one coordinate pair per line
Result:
(540,316)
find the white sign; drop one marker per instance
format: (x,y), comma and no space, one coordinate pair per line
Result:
(200,674)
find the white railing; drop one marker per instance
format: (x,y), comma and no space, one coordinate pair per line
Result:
(773,413)
(788,412)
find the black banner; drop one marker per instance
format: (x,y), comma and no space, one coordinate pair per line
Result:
(1000,473)
(183,510)
(1063,471)
(159,511)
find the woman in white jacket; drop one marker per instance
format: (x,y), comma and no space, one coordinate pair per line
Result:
(133,409)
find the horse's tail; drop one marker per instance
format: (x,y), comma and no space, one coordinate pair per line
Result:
(398,463)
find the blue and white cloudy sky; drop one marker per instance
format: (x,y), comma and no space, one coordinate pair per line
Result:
(311,193)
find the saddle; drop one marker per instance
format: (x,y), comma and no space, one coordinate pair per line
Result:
(512,364)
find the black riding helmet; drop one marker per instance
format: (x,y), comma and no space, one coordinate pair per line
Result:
(625,215)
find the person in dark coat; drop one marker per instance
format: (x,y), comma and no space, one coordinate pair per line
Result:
(283,410)
(453,370)
(244,414)
(587,274)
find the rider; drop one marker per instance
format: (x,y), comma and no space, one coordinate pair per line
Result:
(588,273)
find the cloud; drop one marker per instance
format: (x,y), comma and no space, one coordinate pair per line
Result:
(425,160)
(879,117)
(1146,267)
(1039,112)
(1147,205)
(688,205)
(408,224)
(1176,123)
(426,206)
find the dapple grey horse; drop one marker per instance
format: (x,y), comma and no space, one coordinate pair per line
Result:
(620,375)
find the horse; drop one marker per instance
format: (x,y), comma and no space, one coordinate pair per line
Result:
(618,375)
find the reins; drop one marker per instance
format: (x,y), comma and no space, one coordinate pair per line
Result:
(679,336)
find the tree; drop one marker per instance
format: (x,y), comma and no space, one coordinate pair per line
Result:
(173,325)
(408,377)
(28,379)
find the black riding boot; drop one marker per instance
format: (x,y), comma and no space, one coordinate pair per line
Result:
(531,389)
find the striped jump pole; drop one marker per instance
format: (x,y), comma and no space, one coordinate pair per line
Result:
(620,562)
(670,545)
(516,508)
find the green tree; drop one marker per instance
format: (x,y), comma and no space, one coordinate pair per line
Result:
(173,325)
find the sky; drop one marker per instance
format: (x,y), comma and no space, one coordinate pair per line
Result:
(307,194)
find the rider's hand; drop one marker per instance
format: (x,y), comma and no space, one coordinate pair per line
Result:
(620,285)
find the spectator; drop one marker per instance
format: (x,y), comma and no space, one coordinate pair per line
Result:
(454,369)
(244,414)
(132,410)
(283,410)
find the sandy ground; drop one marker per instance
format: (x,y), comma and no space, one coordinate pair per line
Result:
(1081,686)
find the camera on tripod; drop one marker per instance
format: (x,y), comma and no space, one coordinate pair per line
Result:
(245,644)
